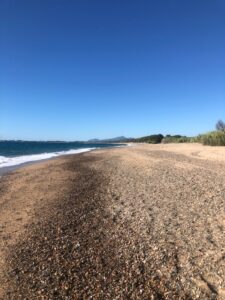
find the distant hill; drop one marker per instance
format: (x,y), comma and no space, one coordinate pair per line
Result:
(93,141)
(116,139)
(159,138)
(112,140)
(151,139)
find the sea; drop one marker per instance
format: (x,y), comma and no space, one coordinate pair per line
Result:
(15,153)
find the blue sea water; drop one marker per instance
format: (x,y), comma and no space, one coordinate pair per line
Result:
(14,153)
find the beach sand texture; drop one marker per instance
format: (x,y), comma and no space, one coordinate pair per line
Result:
(142,222)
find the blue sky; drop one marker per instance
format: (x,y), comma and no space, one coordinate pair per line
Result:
(97,69)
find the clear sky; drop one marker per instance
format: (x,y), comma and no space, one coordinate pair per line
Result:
(101,68)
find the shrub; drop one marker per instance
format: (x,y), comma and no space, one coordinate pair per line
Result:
(214,138)
(196,139)
(176,139)
(151,139)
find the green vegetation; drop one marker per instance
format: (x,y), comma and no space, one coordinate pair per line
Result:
(151,139)
(159,138)
(214,138)
(176,139)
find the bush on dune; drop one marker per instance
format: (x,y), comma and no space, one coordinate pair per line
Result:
(176,139)
(151,139)
(214,138)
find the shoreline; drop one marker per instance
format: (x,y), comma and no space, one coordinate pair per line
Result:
(140,222)
(5,170)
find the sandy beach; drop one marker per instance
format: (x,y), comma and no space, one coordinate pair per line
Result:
(142,222)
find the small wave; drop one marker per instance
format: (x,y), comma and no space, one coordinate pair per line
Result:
(18,160)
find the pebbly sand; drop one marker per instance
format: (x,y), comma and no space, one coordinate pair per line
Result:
(143,222)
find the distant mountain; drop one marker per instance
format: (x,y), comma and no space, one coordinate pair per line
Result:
(112,140)
(93,141)
(116,139)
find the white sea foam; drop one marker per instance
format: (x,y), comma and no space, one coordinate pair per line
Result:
(18,160)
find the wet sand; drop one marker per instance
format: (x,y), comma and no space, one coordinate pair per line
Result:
(143,222)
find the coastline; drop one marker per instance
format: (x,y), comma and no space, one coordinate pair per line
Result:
(8,169)
(139,222)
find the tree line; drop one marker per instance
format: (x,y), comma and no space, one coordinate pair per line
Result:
(213,138)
